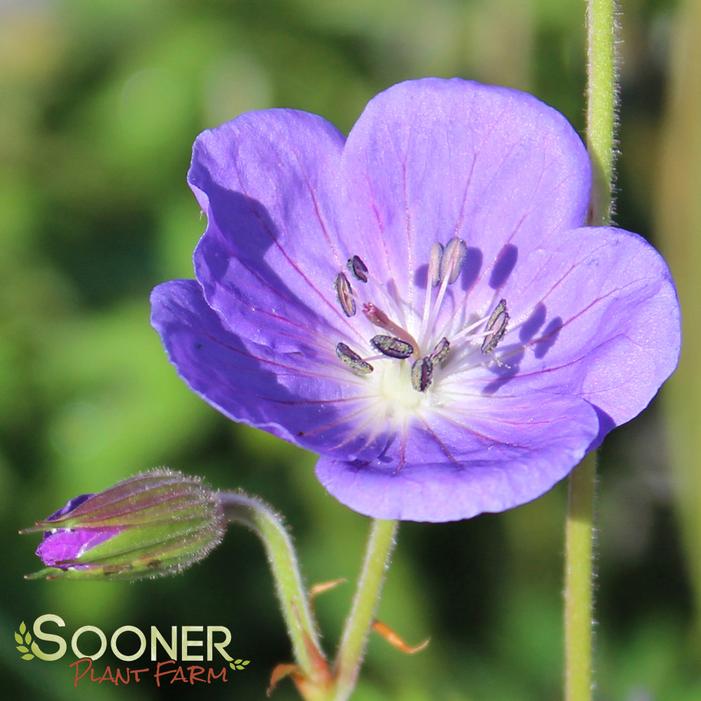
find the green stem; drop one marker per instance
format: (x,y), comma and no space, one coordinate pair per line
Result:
(579,534)
(301,626)
(367,596)
(602,94)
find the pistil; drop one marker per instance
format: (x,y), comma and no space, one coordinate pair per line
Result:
(378,318)
(444,267)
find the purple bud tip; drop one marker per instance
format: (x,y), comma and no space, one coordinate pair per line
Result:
(66,545)
(71,504)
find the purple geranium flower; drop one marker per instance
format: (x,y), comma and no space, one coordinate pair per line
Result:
(418,303)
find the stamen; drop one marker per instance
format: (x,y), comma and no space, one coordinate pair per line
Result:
(434,264)
(434,279)
(453,258)
(469,329)
(344,292)
(440,351)
(393,347)
(496,327)
(422,374)
(376,316)
(353,360)
(451,264)
(373,358)
(358,269)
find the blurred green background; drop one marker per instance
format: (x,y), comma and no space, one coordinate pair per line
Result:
(100,102)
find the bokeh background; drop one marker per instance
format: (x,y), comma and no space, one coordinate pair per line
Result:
(99,103)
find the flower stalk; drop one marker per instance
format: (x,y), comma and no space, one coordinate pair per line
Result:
(367,596)
(579,541)
(314,679)
(602,98)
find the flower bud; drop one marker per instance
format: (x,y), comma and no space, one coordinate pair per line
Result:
(156,523)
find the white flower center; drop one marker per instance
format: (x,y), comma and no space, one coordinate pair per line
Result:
(408,368)
(397,400)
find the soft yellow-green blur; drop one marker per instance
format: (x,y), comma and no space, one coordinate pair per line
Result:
(100,101)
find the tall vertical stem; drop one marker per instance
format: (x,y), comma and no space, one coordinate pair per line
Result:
(602,96)
(579,536)
(579,533)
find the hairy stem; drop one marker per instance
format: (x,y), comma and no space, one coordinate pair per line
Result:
(602,95)
(301,626)
(367,596)
(579,535)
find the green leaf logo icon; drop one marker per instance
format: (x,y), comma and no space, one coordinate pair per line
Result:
(239,664)
(23,638)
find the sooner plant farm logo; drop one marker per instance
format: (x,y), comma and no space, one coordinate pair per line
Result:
(167,658)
